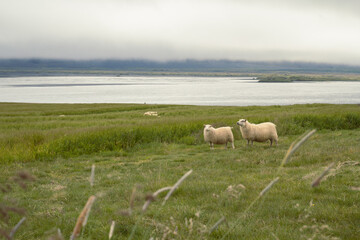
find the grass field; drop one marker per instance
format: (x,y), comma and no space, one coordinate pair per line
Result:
(135,155)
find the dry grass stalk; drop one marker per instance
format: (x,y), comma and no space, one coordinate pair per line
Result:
(317,181)
(262,193)
(273,234)
(60,236)
(336,170)
(132,200)
(177,184)
(147,203)
(153,196)
(82,219)
(87,214)
(221,220)
(268,187)
(13,231)
(112,227)
(92,176)
(161,190)
(293,147)
(56,236)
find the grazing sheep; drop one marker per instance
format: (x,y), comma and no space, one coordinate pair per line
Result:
(151,114)
(258,132)
(221,135)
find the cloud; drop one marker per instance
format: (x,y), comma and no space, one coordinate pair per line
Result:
(326,31)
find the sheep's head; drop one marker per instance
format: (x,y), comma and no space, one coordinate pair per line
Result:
(241,122)
(207,127)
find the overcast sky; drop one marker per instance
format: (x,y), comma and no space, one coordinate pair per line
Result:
(297,30)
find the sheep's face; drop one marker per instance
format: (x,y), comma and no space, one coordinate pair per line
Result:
(207,127)
(241,122)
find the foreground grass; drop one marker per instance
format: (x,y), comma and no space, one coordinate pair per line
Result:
(223,183)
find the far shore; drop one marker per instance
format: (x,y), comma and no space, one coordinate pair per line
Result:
(261,77)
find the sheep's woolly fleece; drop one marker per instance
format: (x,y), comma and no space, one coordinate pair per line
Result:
(258,132)
(221,135)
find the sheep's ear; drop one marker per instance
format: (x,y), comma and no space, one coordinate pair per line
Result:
(245,120)
(204,125)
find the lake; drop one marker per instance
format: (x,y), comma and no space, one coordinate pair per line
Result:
(227,91)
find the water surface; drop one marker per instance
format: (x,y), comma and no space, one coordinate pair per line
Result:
(229,91)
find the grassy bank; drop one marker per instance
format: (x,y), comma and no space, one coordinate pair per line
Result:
(41,132)
(308,77)
(58,143)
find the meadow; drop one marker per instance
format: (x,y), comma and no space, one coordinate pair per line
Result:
(48,150)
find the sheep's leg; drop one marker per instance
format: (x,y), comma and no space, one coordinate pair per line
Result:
(252,142)
(226,145)
(276,142)
(233,146)
(271,141)
(211,146)
(248,142)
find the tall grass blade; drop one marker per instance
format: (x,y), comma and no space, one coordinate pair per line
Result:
(133,231)
(153,196)
(92,176)
(177,184)
(262,193)
(221,220)
(146,205)
(293,147)
(13,231)
(112,227)
(132,199)
(317,181)
(82,219)
(59,234)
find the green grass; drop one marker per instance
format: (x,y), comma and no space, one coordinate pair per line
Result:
(307,77)
(58,143)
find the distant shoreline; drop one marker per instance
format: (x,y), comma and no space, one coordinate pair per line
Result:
(261,77)
(189,67)
(288,78)
(51,73)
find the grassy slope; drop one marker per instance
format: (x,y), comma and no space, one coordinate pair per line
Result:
(33,137)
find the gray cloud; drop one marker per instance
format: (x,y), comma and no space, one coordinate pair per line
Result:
(323,31)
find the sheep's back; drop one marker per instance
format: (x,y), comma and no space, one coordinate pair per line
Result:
(265,131)
(223,135)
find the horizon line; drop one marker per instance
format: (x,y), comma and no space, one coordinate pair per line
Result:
(177,60)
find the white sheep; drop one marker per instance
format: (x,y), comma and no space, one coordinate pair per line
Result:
(221,135)
(151,114)
(258,132)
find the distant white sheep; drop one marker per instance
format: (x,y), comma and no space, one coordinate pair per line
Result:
(258,132)
(221,135)
(151,114)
